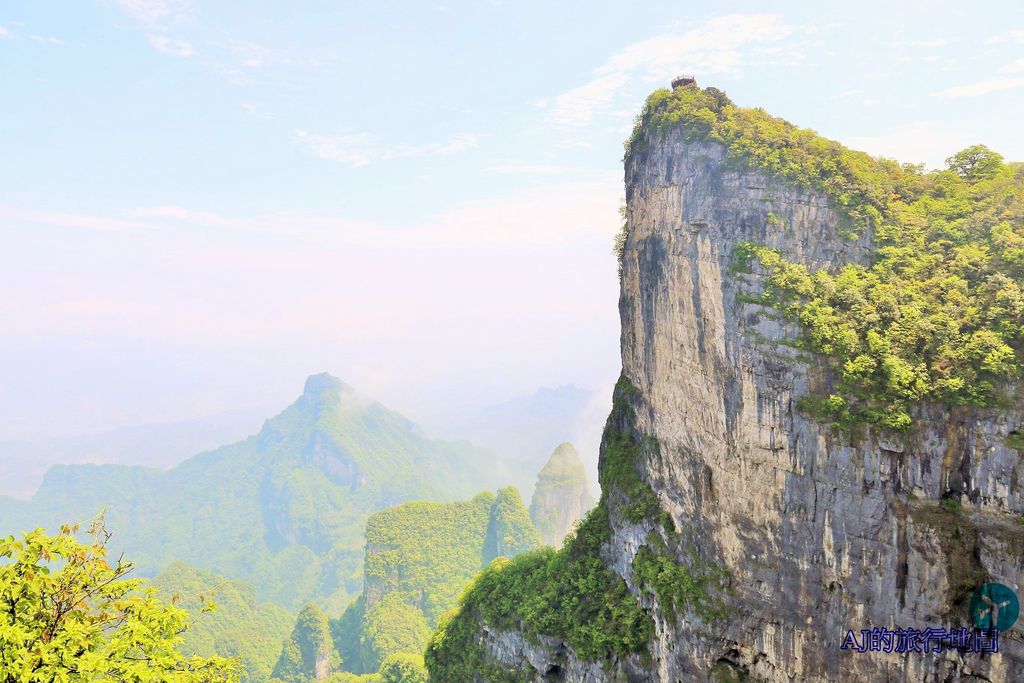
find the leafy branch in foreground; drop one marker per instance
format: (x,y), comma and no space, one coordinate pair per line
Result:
(68,615)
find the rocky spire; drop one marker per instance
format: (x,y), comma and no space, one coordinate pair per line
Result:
(561,497)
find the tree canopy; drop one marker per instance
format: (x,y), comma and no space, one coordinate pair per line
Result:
(68,615)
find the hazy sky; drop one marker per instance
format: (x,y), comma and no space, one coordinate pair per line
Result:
(203,202)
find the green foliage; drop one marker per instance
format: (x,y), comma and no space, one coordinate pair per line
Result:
(620,458)
(938,315)
(419,557)
(283,510)
(568,594)
(975,162)
(403,668)
(241,627)
(428,549)
(680,588)
(1015,440)
(309,650)
(346,677)
(392,626)
(619,246)
(860,186)
(346,631)
(510,530)
(68,615)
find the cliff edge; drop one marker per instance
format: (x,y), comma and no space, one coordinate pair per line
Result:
(766,489)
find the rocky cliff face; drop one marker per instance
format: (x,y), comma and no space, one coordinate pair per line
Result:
(561,496)
(819,533)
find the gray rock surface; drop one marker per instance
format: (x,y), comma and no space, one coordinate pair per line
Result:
(820,534)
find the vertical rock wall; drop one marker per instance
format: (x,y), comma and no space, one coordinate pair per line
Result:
(821,535)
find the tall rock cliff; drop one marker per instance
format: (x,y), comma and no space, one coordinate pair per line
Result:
(753,536)
(561,496)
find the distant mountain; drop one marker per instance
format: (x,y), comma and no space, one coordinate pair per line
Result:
(283,510)
(523,430)
(561,496)
(23,463)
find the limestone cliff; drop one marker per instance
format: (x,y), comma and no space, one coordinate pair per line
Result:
(791,532)
(561,496)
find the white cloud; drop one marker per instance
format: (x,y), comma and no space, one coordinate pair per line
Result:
(925,142)
(936,42)
(563,213)
(155,13)
(1016,36)
(1013,67)
(577,106)
(158,18)
(354,150)
(721,45)
(460,143)
(20,218)
(171,46)
(255,111)
(571,143)
(360,149)
(527,168)
(6,33)
(984,87)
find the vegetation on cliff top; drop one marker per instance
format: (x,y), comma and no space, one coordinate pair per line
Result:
(510,531)
(308,649)
(861,186)
(938,312)
(419,556)
(568,594)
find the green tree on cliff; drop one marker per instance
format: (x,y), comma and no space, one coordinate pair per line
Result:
(510,530)
(309,652)
(67,614)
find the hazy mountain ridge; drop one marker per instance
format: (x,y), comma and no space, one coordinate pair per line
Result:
(283,509)
(23,464)
(522,430)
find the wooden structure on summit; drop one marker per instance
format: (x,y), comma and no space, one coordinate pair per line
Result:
(683,81)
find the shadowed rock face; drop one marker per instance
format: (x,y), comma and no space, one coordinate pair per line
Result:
(820,534)
(561,496)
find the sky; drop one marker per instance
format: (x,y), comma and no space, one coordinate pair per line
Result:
(201,203)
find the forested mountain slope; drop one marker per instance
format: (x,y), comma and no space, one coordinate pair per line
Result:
(283,510)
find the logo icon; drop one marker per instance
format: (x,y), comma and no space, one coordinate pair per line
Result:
(994,606)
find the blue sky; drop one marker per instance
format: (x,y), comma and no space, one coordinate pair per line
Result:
(205,201)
